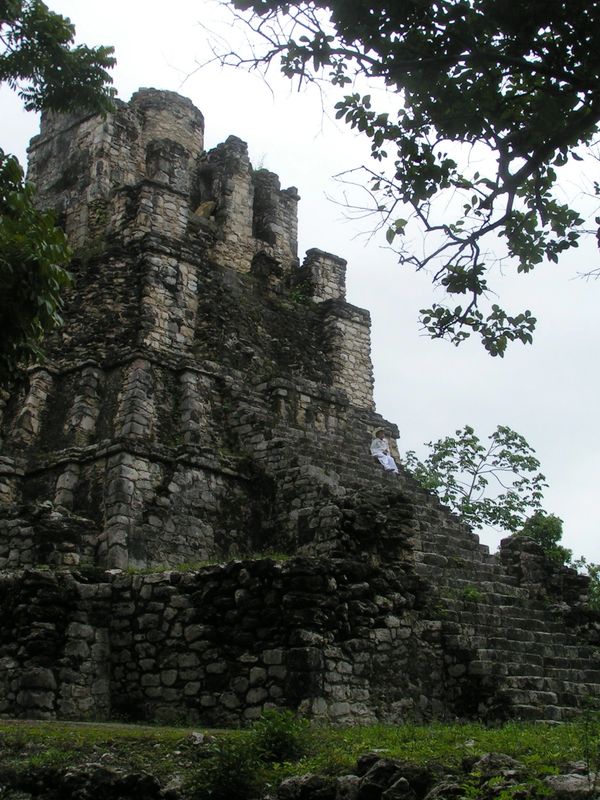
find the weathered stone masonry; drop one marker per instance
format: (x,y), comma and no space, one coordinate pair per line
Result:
(210,399)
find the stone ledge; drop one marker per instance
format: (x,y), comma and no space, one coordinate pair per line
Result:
(186,454)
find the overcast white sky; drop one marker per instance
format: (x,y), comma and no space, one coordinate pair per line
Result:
(548,392)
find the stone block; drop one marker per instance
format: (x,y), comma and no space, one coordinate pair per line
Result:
(77,649)
(168,677)
(257,695)
(38,678)
(31,700)
(258,676)
(278,673)
(230,700)
(77,630)
(194,632)
(340,709)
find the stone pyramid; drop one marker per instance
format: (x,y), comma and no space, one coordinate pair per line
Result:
(191,525)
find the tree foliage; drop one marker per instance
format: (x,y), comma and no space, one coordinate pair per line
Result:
(38,60)
(547,531)
(497,483)
(493,98)
(33,252)
(592,570)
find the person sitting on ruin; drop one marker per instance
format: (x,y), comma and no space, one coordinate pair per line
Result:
(380,449)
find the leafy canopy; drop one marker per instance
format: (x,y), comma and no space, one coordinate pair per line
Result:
(497,483)
(33,252)
(493,98)
(547,530)
(39,61)
(592,570)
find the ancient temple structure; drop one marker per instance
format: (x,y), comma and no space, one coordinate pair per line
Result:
(191,527)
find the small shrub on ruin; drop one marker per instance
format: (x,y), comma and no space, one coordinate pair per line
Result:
(279,735)
(231,773)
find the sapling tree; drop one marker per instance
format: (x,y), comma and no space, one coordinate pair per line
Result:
(496,483)
(547,531)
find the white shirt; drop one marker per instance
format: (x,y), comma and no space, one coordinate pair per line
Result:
(380,447)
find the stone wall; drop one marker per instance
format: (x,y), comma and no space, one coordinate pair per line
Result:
(220,645)
(343,640)
(150,440)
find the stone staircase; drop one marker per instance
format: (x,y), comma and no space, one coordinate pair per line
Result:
(520,658)
(527,659)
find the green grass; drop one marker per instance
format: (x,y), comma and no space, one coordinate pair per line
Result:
(165,751)
(535,744)
(26,745)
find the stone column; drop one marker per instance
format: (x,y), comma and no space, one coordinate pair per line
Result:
(233,193)
(196,412)
(11,475)
(322,276)
(81,420)
(347,345)
(169,303)
(136,414)
(28,423)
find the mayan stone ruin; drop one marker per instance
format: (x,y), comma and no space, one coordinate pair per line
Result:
(191,525)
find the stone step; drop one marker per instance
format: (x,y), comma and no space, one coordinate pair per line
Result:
(483,618)
(538,624)
(531,613)
(552,661)
(571,654)
(472,594)
(514,639)
(548,713)
(478,573)
(519,637)
(505,616)
(453,546)
(493,590)
(463,569)
(513,662)
(550,684)
(532,667)
(479,577)
(546,702)
(531,697)
(518,648)
(493,647)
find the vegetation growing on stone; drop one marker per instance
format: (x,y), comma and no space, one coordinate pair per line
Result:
(547,530)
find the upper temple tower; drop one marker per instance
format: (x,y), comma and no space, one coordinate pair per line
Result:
(191,333)
(144,170)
